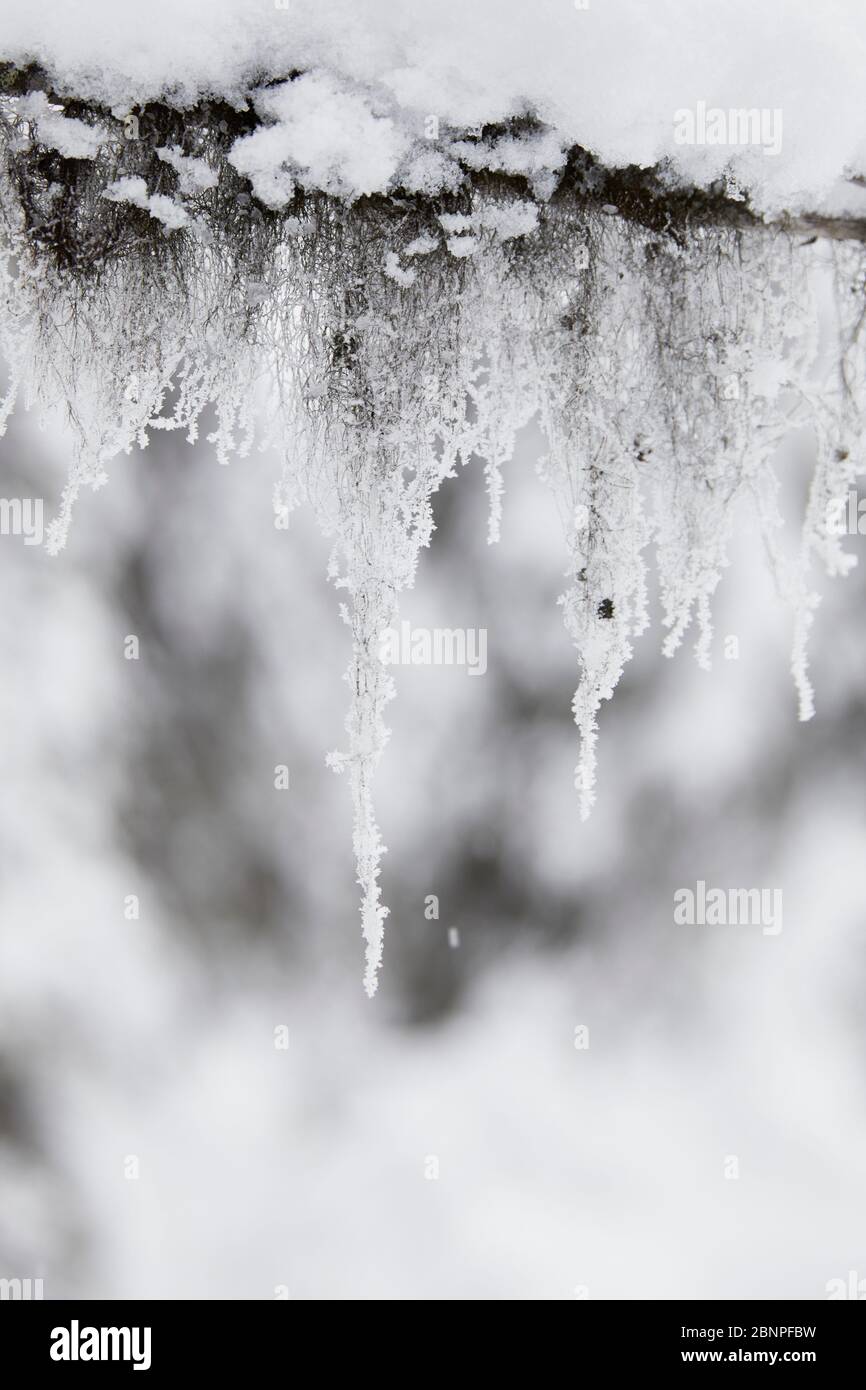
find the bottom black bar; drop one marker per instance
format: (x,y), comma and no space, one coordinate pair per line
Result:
(163,1339)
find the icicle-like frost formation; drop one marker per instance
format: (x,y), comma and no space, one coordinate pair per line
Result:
(674,374)
(593,414)
(836,403)
(393,357)
(378,346)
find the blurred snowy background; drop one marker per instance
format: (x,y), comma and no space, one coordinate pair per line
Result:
(562,1172)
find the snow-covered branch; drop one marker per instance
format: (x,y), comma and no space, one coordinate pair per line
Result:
(382,295)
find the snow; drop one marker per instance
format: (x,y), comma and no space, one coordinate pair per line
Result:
(611,77)
(395,271)
(504,220)
(538,157)
(159,205)
(460,246)
(194,175)
(421,246)
(70,137)
(332,137)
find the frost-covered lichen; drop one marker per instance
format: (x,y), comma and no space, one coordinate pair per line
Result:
(381,344)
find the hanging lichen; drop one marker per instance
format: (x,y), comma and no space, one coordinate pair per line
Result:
(381,344)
